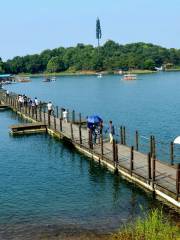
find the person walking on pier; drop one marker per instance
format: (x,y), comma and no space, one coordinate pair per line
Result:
(65,115)
(25,100)
(36,101)
(111,132)
(50,108)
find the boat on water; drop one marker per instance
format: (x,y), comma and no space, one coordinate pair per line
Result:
(48,79)
(129,77)
(53,79)
(22,79)
(99,75)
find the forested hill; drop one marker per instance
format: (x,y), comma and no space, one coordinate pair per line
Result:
(110,56)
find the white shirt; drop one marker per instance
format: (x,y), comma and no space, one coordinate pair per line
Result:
(49,106)
(36,102)
(65,114)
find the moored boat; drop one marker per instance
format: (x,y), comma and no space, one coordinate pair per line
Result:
(130,77)
(53,79)
(99,75)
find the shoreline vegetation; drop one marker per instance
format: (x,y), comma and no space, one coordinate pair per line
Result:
(79,73)
(150,226)
(91,73)
(155,226)
(86,59)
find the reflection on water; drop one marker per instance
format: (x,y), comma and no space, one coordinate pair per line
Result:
(48,189)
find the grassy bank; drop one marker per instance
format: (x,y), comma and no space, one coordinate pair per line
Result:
(153,227)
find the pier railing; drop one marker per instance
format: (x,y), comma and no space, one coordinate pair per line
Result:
(135,154)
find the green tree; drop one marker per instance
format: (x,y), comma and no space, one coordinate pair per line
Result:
(1,66)
(55,64)
(110,56)
(149,64)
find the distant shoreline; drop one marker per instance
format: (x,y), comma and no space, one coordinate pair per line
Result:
(91,73)
(79,73)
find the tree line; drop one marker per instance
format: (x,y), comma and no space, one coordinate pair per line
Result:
(109,57)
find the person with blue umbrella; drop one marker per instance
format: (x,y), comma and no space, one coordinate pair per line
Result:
(92,124)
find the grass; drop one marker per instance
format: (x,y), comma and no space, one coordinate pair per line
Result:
(154,227)
(139,71)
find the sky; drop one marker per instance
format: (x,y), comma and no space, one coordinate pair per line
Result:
(31,26)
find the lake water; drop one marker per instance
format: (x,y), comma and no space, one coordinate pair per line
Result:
(149,105)
(48,189)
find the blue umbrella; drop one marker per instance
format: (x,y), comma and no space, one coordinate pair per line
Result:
(94,119)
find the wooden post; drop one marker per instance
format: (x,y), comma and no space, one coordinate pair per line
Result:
(154,146)
(114,151)
(172,153)
(80,135)
(60,124)
(44,115)
(73,116)
(132,160)
(72,136)
(178,181)
(137,140)
(124,135)
(121,135)
(40,113)
(29,110)
(61,113)
(149,167)
(80,119)
(90,139)
(32,112)
(102,145)
(57,111)
(49,120)
(67,115)
(36,111)
(54,122)
(153,169)
(151,145)
(26,109)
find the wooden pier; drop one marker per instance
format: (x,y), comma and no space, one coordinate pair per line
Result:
(28,128)
(143,169)
(3,107)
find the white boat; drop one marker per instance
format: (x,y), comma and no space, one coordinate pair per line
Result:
(47,79)
(129,77)
(177,140)
(53,79)
(22,79)
(99,75)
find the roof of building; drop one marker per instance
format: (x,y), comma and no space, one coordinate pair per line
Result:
(5,75)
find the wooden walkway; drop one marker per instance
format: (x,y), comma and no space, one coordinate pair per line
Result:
(144,169)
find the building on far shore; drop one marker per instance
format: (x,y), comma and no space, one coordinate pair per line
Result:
(6,78)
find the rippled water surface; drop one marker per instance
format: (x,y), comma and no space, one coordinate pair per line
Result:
(48,188)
